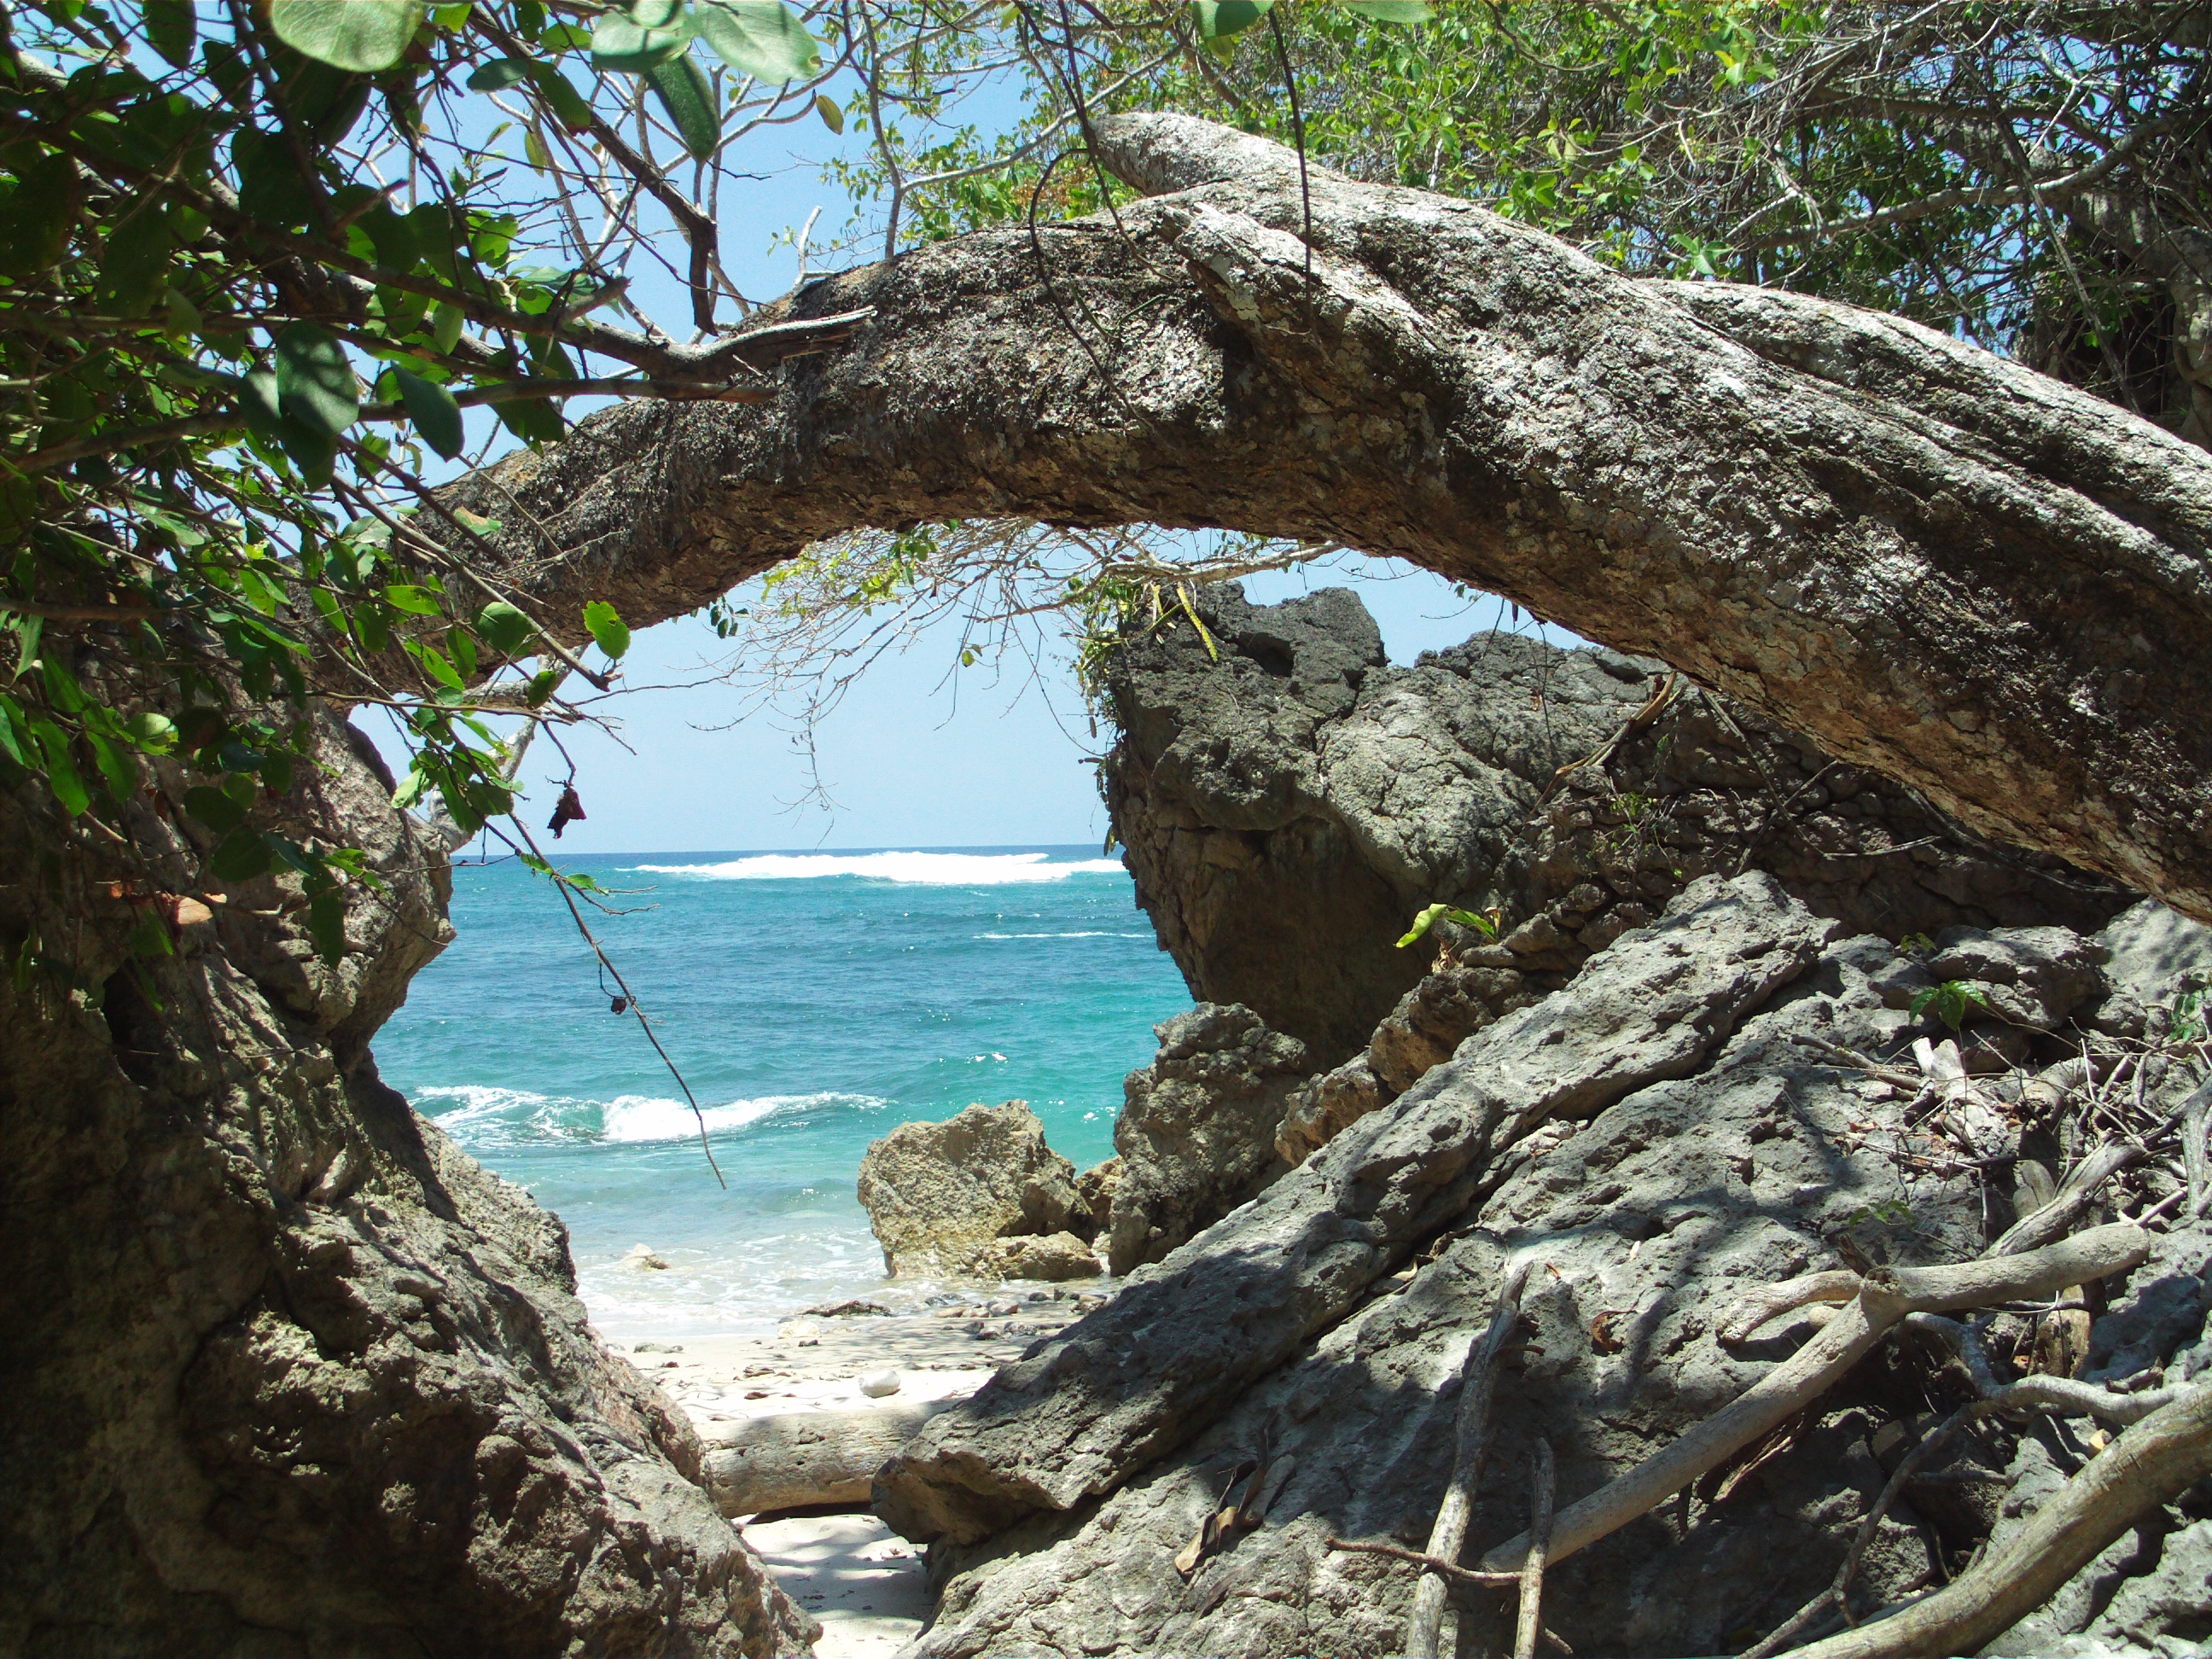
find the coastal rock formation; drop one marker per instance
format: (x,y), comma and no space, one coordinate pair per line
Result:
(1287,801)
(978,1195)
(1184,1338)
(1196,1135)
(286,1370)
(1656,1139)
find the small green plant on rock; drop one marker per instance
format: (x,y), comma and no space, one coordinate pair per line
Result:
(1949,1000)
(1486,925)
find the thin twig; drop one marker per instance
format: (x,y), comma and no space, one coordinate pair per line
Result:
(1478,1382)
(1543,1484)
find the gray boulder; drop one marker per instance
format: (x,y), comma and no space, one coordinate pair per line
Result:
(940,1196)
(1196,1135)
(1287,807)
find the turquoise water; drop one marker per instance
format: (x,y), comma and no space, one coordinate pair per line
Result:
(814,1001)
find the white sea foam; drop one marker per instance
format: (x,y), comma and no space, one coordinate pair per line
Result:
(919,869)
(1087,932)
(634,1118)
(482,1116)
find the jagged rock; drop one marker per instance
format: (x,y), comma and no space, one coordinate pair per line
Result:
(940,1195)
(1645,1223)
(285,1370)
(1196,1134)
(1656,1214)
(1314,1113)
(1094,1193)
(2156,954)
(1056,1258)
(2032,976)
(1286,809)
(1082,1411)
(1432,1020)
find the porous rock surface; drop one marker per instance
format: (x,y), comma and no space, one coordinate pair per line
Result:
(286,1371)
(1196,1133)
(954,1197)
(1287,801)
(1083,1411)
(1653,1142)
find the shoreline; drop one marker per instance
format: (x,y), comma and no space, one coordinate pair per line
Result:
(867,1586)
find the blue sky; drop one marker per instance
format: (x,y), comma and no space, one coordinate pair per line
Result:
(914,756)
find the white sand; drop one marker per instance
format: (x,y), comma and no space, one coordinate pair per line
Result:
(865,1584)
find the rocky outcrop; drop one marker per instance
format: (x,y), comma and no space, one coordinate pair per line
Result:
(1287,801)
(1656,1138)
(979,1196)
(285,1370)
(1184,1338)
(1196,1136)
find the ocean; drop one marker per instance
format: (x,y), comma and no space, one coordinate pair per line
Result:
(814,1001)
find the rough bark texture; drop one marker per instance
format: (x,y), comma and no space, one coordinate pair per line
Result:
(286,1371)
(1943,567)
(1287,801)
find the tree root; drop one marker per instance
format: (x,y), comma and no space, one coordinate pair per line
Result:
(1543,1487)
(1885,1298)
(2149,1465)
(1478,1384)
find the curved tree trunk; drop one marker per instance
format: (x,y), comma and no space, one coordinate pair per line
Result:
(1935,562)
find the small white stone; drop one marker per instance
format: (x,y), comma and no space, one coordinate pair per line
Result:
(876,1385)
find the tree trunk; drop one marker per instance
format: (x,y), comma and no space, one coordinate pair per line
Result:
(800,1458)
(1935,562)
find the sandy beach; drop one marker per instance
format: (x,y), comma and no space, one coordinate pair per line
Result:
(866,1585)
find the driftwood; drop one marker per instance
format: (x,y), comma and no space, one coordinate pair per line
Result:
(1771,1301)
(1543,1487)
(2149,1465)
(802,1458)
(1885,1298)
(2032,1231)
(1478,1382)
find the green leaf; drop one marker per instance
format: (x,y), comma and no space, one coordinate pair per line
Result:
(326,923)
(367,36)
(565,101)
(832,117)
(1219,19)
(240,856)
(134,266)
(608,629)
(684,92)
(61,771)
(541,686)
(314,382)
(505,629)
(36,222)
(499,74)
(415,601)
(171,27)
(215,809)
(446,325)
(116,769)
(764,38)
(533,420)
(1392,11)
(154,734)
(434,411)
(645,32)
(410,790)
(1422,922)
